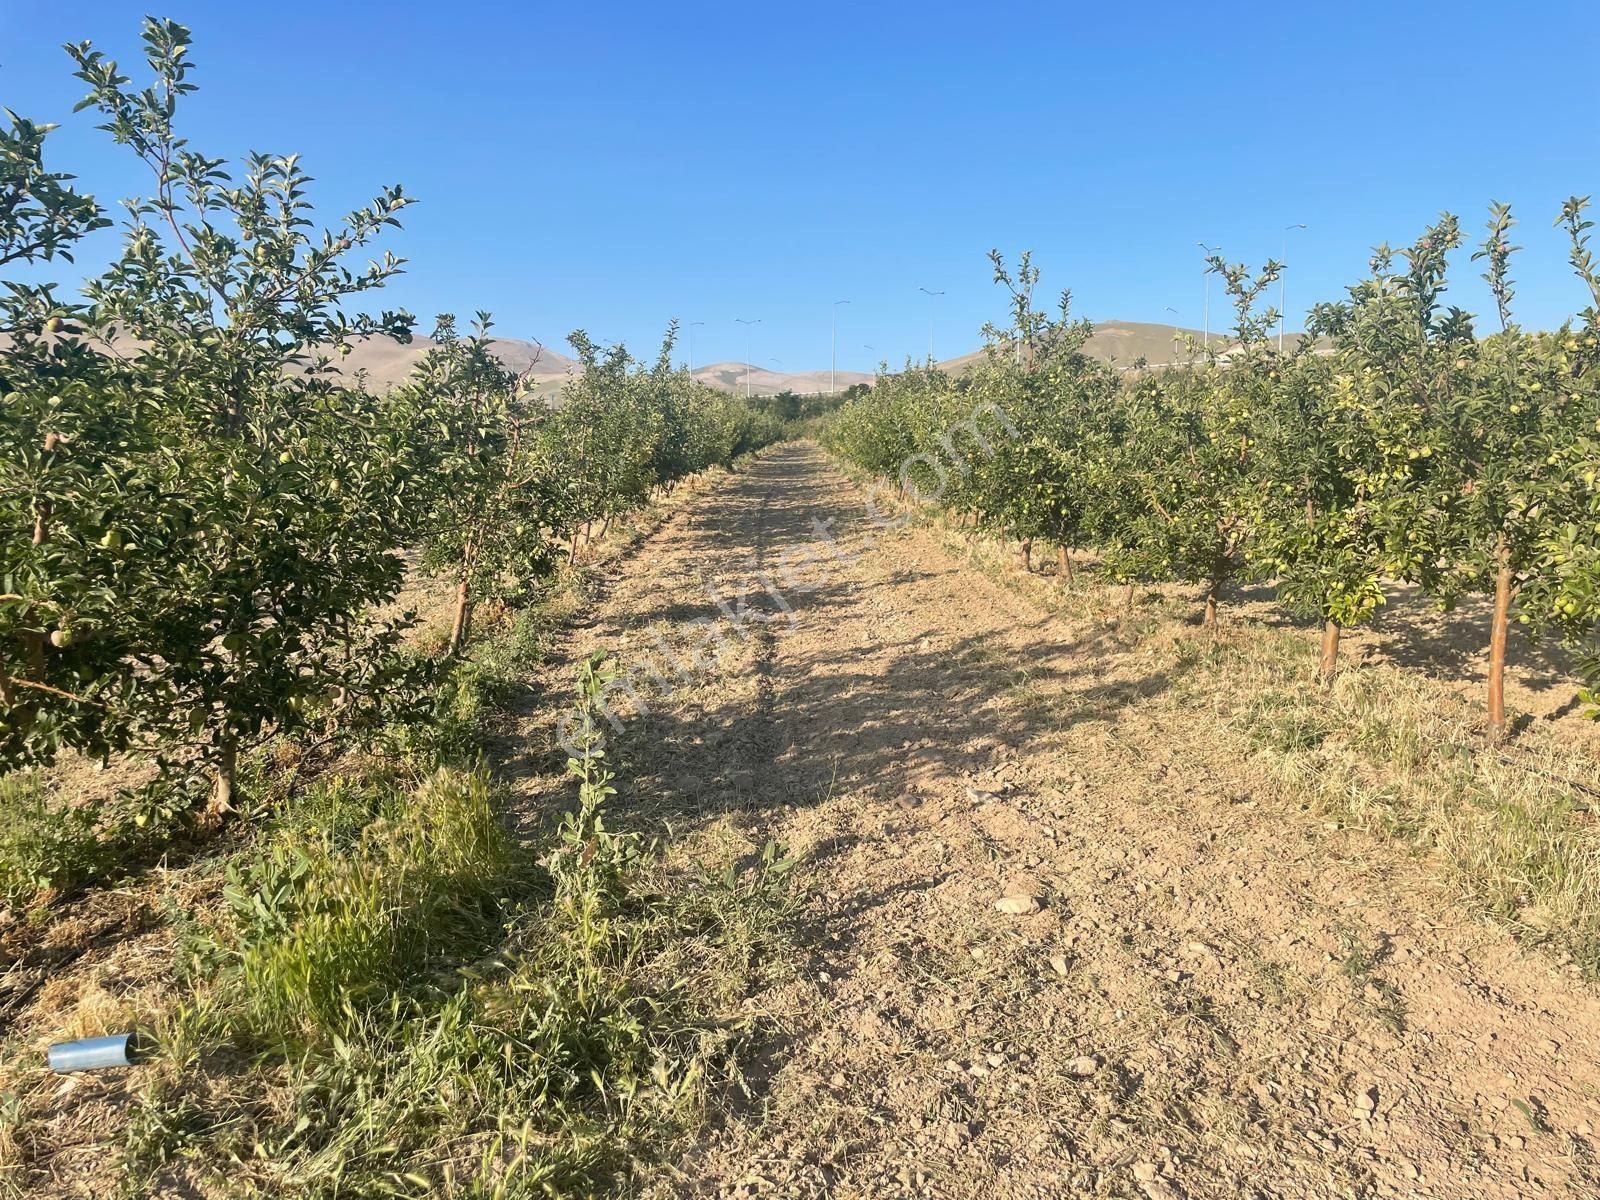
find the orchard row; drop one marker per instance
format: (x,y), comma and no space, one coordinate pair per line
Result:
(203,518)
(1395,442)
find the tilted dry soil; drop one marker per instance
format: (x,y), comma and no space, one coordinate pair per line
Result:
(1220,994)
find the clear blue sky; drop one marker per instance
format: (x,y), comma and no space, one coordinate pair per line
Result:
(609,166)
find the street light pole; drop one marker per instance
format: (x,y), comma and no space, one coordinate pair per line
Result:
(747,325)
(926,292)
(833,349)
(690,327)
(1208,250)
(1283,311)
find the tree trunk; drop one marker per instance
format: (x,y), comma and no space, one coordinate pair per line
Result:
(1504,592)
(461,624)
(223,783)
(1329,661)
(1065,557)
(577,534)
(1025,554)
(1212,594)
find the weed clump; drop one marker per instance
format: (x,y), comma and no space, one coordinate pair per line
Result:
(399,998)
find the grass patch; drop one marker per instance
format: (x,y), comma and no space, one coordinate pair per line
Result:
(373,988)
(51,847)
(43,844)
(413,1056)
(1386,751)
(1280,722)
(433,1009)
(323,928)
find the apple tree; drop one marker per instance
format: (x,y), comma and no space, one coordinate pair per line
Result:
(1352,491)
(491,499)
(213,513)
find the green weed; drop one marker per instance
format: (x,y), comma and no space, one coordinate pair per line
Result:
(431,1008)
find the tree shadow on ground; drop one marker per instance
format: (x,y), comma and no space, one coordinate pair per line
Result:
(848,695)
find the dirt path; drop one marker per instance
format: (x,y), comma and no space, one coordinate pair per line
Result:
(1220,995)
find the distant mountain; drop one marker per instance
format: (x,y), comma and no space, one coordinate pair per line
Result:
(1123,343)
(388,363)
(730,376)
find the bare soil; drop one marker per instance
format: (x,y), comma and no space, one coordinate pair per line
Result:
(1211,990)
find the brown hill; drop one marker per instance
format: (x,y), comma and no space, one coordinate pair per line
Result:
(1123,343)
(730,376)
(387,362)
(1126,342)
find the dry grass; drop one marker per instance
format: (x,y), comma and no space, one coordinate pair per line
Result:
(1391,752)
(1386,748)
